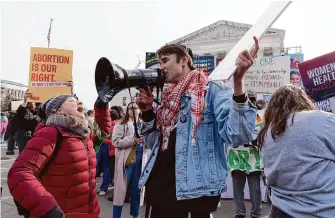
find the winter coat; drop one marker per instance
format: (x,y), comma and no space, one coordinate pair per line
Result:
(70,180)
(123,140)
(108,141)
(24,120)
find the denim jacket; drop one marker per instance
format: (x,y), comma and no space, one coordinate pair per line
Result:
(201,168)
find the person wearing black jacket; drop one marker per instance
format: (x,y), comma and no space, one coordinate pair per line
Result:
(24,122)
(10,135)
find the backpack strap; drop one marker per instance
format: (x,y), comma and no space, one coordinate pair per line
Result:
(54,153)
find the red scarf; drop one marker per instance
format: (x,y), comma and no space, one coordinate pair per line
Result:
(167,114)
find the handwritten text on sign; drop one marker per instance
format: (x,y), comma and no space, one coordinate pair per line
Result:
(50,70)
(268,74)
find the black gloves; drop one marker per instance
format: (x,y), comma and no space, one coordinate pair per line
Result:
(55,212)
(100,104)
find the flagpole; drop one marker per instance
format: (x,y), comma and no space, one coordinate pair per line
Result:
(49,33)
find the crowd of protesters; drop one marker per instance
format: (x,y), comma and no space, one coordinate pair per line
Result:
(180,153)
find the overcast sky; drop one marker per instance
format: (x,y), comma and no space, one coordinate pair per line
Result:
(121,30)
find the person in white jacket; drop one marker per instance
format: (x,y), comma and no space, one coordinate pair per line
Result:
(124,139)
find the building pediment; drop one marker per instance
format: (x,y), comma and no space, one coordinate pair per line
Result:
(221,31)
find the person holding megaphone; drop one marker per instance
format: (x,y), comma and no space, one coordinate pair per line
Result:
(186,171)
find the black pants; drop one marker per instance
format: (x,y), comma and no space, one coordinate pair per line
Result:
(11,142)
(22,138)
(277,213)
(156,212)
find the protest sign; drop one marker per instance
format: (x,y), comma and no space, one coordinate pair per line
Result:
(218,60)
(204,63)
(318,76)
(227,67)
(151,61)
(49,73)
(268,74)
(244,158)
(295,60)
(324,105)
(14,105)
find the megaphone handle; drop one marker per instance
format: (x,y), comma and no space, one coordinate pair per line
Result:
(157,102)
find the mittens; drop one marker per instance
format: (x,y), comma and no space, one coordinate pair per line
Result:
(100,104)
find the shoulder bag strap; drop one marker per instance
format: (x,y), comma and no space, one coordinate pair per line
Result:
(54,153)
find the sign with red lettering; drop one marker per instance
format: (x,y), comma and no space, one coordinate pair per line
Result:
(318,76)
(49,73)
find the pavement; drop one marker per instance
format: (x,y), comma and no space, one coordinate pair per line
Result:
(8,208)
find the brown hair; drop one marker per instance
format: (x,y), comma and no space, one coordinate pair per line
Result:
(90,112)
(114,114)
(295,73)
(179,50)
(126,117)
(287,100)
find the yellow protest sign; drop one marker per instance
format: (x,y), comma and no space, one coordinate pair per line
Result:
(49,73)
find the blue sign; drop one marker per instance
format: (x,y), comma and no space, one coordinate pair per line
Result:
(267,97)
(204,63)
(295,60)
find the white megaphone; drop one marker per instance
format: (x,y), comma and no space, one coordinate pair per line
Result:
(227,66)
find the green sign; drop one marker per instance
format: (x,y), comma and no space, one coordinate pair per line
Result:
(244,158)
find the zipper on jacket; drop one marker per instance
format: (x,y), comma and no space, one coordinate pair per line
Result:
(89,176)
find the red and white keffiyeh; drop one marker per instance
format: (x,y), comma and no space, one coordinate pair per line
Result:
(167,114)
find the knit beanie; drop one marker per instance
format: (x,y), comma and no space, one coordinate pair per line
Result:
(51,106)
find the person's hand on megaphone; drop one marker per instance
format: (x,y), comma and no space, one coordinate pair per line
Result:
(145,99)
